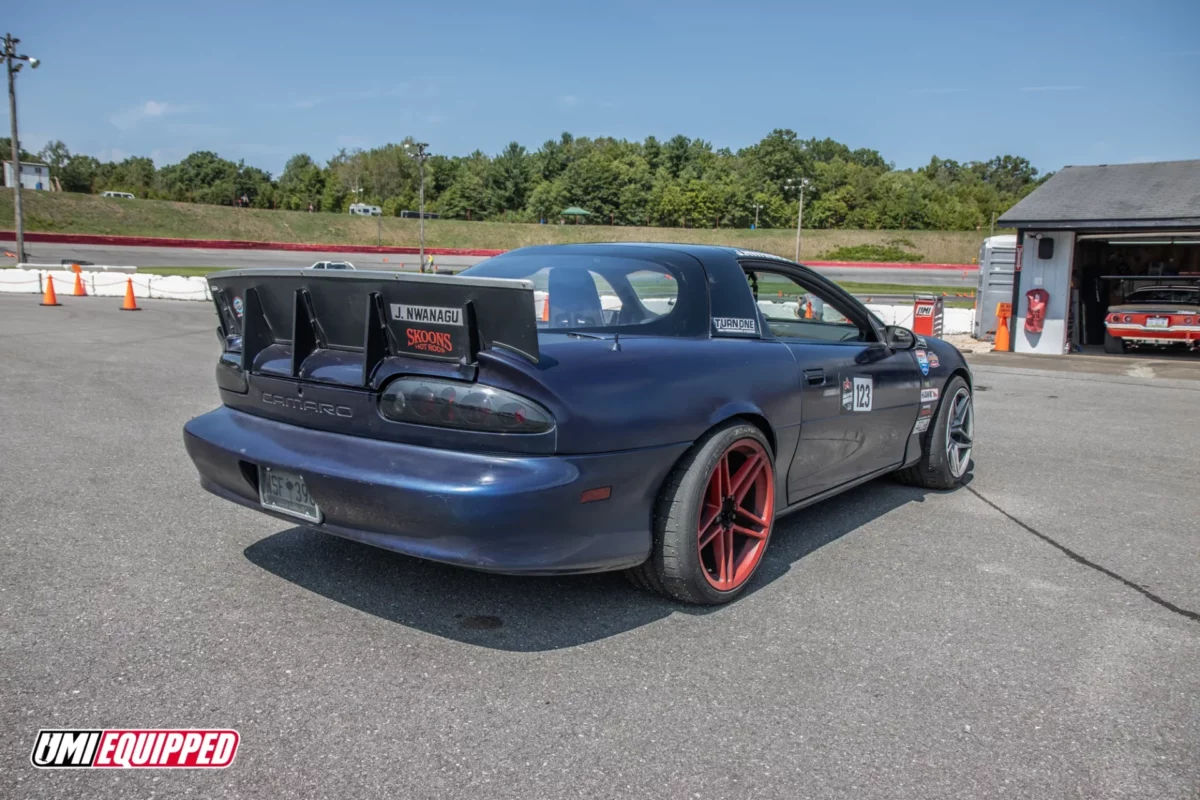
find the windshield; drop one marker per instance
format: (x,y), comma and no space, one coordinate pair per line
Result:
(616,294)
(1165,295)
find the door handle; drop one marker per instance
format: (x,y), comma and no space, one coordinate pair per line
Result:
(814,377)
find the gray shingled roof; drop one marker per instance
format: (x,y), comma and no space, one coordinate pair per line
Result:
(1162,193)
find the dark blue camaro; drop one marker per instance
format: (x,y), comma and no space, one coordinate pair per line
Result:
(578,408)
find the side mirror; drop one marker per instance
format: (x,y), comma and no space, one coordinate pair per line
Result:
(900,338)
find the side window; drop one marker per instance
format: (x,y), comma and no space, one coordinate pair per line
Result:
(794,311)
(656,291)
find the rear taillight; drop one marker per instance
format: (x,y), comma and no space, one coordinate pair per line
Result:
(1128,318)
(1187,320)
(448,404)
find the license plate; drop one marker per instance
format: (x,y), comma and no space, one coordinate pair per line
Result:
(1157,322)
(280,490)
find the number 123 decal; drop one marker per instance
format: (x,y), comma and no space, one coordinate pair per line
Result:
(858,393)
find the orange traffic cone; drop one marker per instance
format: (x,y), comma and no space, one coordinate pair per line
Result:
(50,298)
(808,310)
(79,291)
(1002,336)
(546,309)
(130,301)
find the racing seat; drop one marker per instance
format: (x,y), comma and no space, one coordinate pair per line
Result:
(574,301)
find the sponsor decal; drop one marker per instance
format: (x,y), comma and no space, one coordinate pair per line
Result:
(428,341)
(934,363)
(430,315)
(757,254)
(926,411)
(864,393)
(929,395)
(924,311)
(922,361)
(735,325)
(921,426)
(237,306)
(307,406)
(847,395)
(146,748)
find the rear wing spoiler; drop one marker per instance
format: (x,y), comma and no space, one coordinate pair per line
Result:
(377,314)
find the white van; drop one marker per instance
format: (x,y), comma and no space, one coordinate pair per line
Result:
(122,195)
(364,210)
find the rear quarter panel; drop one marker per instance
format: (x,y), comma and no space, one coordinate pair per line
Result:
(652,391)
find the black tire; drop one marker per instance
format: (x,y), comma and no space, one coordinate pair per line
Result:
(935,470)
(675,568)
(1113,344)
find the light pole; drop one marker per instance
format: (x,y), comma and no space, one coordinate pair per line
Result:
(799,184)
(14,62)
(757,206)
(421,156)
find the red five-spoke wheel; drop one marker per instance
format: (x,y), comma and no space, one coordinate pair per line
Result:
(735,517)
(713,517)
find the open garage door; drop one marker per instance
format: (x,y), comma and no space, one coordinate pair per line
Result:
(1115,270)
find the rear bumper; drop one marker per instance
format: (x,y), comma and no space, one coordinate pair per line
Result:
(513,514)
(1177,333)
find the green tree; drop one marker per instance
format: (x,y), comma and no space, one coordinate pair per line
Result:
(301,183)
(78,174)
(6,151)
(56,155)
(467,195)
(507,179)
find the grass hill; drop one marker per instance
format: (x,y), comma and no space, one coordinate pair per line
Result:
(81,213)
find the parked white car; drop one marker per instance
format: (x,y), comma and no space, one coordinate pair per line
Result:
(121,195)
(332,265)
(364,210)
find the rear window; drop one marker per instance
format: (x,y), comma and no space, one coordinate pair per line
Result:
(606,293)
(1173,296)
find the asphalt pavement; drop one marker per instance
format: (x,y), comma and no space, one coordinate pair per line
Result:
(203,257)
(1032,635)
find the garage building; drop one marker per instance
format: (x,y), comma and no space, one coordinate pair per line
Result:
(1089,236)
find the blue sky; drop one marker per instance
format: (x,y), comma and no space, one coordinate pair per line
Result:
(1067,82)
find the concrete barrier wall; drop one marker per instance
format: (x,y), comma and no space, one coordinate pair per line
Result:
(105,284)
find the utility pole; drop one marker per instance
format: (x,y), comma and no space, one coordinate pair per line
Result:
(800,184)
(992,230)
(757,206)
(14,63)
(421,156)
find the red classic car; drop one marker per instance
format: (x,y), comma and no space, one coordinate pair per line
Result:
(1154,316)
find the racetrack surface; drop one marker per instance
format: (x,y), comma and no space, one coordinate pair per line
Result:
(1027,636)
(206,257)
